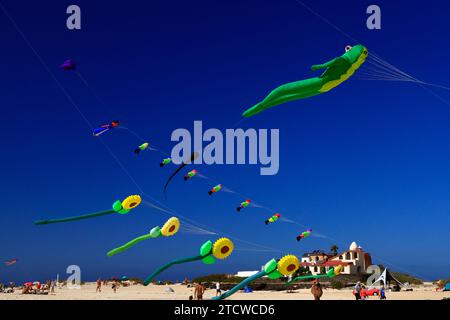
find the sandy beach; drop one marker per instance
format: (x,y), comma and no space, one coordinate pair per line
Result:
(181,292)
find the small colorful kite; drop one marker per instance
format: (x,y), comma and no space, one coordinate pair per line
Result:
(304,234)
(221,249)
(243,205)
(273,218)
(11,262)
(169,229)
(165,162)
(123,207)
(106,127)
(190,175)
(215,189)
(273,269)
(142,147)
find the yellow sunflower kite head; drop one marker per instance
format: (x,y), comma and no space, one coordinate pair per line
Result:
(131,202)
(170,227)
(288,265)
(222,248)
(338,270)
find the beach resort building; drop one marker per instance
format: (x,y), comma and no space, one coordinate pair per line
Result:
(355,261)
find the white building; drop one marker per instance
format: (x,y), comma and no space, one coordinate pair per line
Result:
(354,261)
(246,274)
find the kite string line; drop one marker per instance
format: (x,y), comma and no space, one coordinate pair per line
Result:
(72,102)
(412,79)
(371,69)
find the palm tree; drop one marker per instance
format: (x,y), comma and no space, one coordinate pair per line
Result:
(334,249)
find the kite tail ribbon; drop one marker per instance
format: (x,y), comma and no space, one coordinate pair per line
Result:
(240,285)
(168,265)
(86,216)
(129,244)
(330,274)
(309,277)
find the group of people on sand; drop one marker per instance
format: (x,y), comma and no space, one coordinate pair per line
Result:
(7,289)
(38,288)
(114,286)
(30,287)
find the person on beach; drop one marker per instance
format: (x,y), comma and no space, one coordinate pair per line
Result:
(358,290)
(218,291)
(199,290)
(99,286)
(115,285)
(316,290)
(382,293)
(52,286)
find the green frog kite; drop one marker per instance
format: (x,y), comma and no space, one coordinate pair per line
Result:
(337,71)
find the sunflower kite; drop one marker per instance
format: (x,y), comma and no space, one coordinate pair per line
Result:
(122,207)
(273,269)
(209,252)
(169,229)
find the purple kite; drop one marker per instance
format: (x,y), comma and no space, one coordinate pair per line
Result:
(68,65)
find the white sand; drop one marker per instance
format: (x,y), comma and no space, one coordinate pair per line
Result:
(154,292)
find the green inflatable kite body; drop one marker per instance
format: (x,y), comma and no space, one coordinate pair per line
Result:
(337,71)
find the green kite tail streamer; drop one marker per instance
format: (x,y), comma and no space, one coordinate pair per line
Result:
(129,244)
(240,285)
(168,265)
(330,274)
(86,216)
(309,277)
(337,71)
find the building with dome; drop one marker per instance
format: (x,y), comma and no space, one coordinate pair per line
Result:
(354,261)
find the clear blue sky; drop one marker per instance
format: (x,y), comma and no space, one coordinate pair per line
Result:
(366,162)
